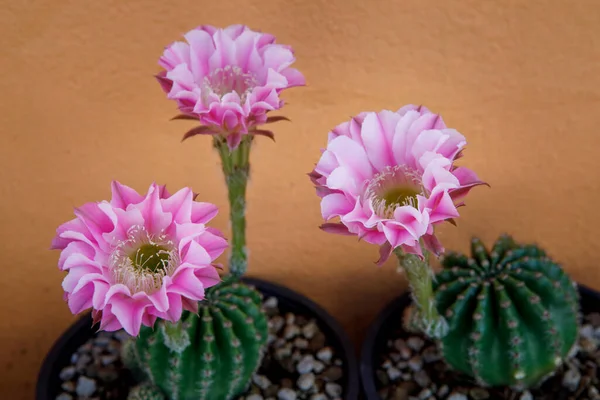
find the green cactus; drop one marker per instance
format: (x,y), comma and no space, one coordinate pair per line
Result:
(513,313)
(206,356)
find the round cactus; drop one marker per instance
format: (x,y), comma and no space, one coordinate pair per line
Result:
(206,356)
(513,313)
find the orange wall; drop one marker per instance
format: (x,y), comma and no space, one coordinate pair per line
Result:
(79,107)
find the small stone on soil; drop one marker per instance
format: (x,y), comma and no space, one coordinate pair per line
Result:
(85,386)
(286,394)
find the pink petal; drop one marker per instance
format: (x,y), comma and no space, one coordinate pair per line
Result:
(327,163)
(213,242)
(432,244)
(384,253)
(442,207)
(294,77)
(201,48)
(351,156)
(109,322)
(123,195)
(185,283)
(175,309)
(203,212)
(339,229)
(208,275)
(159,298)
(335,205)
(129,312)
(195,254)
(75,249)
(179,205)
(156,219)
(377,135)
(401,144)
(344,179)
(81,299)
(71,281)
(224,54)
(189,305)
(436,175)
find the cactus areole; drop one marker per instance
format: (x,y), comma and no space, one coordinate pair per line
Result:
(513,313)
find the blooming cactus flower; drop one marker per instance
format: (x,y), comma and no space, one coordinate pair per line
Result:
(228,78)
(138,258)
(390,177)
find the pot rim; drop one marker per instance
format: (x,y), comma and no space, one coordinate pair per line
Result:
(351,375)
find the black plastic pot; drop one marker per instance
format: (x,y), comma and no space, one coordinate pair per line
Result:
(388,320)
(48,384)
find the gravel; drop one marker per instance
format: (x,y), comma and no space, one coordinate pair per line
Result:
(299,364)
(95,370)
(413,368)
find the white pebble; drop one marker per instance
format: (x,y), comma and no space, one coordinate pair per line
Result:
(67,373)
(318,366)
(290,319)
(309,330)
(261,381)
(457,396)
(291,331)
(415,343)
(254,397)
(587,331)
(333,389)
(318,396)
(571,380)
(276,323)
(415,363)
(393,373)
(526,396)
(306,364)
(85,386)
(271,303)
(325,354)
(286,394)
(301,343)
(306,381)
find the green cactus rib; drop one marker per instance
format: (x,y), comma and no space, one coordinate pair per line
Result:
(223,347)
(513,313)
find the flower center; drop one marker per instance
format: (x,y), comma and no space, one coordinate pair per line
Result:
(150,257)
(394,187)
(229,79)
(142,260)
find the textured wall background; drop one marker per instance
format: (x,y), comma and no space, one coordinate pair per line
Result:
(79,107)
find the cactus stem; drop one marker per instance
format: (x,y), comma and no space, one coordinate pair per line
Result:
(420,277)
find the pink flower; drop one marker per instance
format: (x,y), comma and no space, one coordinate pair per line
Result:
(138,258)
(228,78)
(390,177)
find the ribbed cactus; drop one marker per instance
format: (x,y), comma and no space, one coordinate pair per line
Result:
(513,313)
(209,356)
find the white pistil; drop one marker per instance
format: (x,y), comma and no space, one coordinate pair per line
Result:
(140,274)
(394,187)
(229,79)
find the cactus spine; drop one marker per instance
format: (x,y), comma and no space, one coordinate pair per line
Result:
(206,356)
(513,313)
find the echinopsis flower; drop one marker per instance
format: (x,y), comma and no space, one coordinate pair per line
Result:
(138,258)
(390,177)
(228,78)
